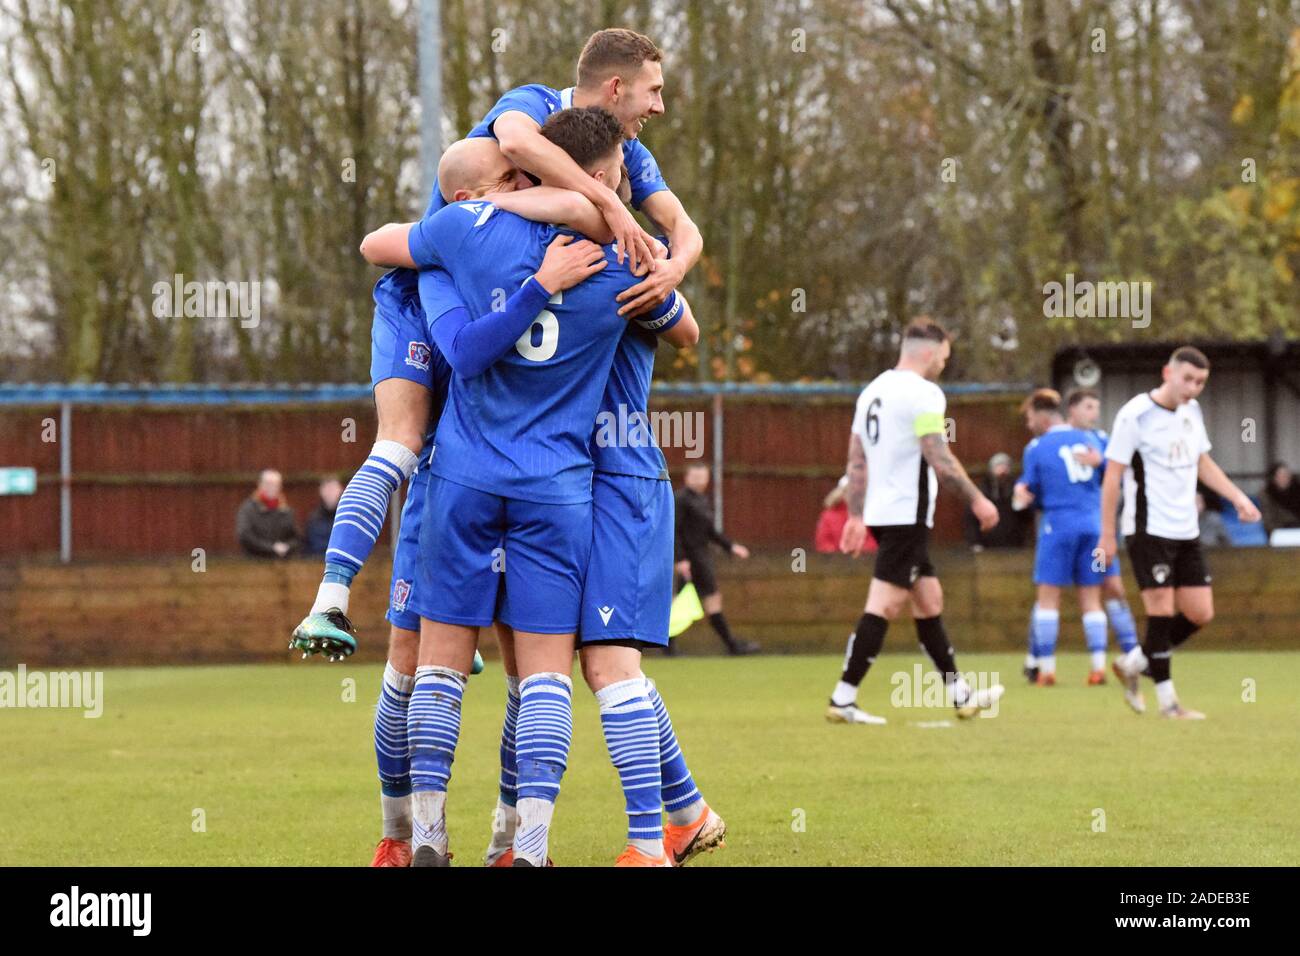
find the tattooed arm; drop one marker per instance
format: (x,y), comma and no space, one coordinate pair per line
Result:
(855,496)
(953,477)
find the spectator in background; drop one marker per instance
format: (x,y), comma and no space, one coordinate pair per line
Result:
(264,524)
(1281,502)
(316,533)
(1013,527)
(1214,532)
(830,523)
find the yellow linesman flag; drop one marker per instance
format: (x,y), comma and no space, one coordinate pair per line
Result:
(686,610)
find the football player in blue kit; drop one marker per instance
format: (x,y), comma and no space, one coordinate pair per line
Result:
(469,169)
(1058,478)
(506,532)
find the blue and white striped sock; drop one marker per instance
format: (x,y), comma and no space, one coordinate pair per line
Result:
(632,735)
(1121,621)
(505,815)
(542,739)
(1031,661)
(360,517)
(391,754)
(681,799)
(1047,625)
(432,729)
(1094,634)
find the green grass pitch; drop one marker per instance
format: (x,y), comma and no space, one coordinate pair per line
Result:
(281,766)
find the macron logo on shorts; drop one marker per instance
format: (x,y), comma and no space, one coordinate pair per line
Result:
(419,355)
(605,614)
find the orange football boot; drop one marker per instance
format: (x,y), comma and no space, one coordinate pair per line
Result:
(1096,678)
(634,857)
(1046,680)
(706,833)
(392,852)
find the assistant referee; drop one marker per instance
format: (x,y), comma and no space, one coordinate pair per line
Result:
(695,531)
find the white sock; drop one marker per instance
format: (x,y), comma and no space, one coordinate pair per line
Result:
(959,691)
(1031,661)
(504,819)
(331,594)
(686,815)
(1047,665)
(429,824)
(397,816)
(532,832)
(844,695)
(1098,660)
(1135,662)
(1165,695)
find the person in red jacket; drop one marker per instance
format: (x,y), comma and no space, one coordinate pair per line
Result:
(830,523)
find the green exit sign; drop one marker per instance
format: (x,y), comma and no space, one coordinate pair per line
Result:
(17,481)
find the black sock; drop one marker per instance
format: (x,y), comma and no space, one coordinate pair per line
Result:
(1182,629)
(1156,646)
(720,625)
(868,637)
(930,632)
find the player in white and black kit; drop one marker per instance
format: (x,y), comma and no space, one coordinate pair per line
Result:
(896,448)
(1159,448)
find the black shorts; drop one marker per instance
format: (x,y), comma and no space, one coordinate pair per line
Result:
(633,642)
(904,553)
(1166,563)
(702,576)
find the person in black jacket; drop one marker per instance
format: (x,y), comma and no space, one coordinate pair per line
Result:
(264,524)
(316,533)
(695,530)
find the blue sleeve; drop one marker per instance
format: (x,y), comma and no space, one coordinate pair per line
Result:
(529,100)
(434,238)
(1030,477)
(471,345)
(642,172)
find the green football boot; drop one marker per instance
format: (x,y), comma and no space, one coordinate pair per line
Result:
(478,663)
(325,632)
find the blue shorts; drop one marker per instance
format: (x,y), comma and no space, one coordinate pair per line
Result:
(1112,569)
(629,586)
(407,554)
(399,345)
(484,557)
(1065,556)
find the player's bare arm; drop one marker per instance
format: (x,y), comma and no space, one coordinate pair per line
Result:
(686,331)
(523,144)
(668,214)
(953,476)
(1212,476)
(388,246)
(854,534)
(563,207)
(1110,489)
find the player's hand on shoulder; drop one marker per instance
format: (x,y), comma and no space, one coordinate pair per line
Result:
(853,537)
(568,262)
(651,291)
(633,242)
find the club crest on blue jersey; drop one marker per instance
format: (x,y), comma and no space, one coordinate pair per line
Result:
(401,593)
(419,355)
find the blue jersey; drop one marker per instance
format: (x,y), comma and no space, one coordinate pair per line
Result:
(1068,492)
(399,290)
(538,102)
(523,428)
(623,442)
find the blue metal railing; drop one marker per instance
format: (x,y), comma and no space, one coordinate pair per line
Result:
(54,393)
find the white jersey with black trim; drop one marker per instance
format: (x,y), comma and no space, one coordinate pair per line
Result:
(892,415)
(1162,448)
